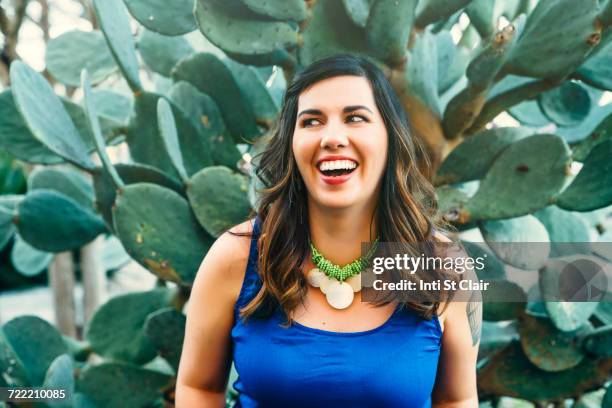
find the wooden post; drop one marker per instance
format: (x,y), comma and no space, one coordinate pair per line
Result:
(92,275)
(61,281)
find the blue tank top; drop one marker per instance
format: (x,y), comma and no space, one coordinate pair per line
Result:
(393,365)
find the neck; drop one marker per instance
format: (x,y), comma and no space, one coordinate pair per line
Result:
(338,233)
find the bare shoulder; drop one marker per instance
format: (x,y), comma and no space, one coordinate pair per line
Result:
(210,316)
(441,237)
(233,245)
(446,309)
(245,227)
(453,249)
(225,263)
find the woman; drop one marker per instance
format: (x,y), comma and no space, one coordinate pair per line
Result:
(339,170)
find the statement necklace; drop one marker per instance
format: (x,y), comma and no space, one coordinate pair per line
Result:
(338,283)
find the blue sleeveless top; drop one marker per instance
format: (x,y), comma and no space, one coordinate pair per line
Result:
(393,365)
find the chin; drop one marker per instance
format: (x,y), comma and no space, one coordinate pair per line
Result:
(336,200)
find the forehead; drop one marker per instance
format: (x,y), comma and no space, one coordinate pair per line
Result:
(337,92)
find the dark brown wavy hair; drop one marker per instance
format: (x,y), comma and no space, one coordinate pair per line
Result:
(405,212)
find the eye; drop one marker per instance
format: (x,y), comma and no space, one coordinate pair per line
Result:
(350,118)
(308,122)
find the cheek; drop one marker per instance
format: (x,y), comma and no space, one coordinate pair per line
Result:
(298,151)
(376,150)
(382,147)
(302,150)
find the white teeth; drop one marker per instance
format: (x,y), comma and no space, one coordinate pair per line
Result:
(337,164)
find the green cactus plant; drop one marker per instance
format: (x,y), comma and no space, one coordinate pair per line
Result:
(546,63)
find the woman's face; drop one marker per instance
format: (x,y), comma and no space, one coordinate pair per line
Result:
(340,142)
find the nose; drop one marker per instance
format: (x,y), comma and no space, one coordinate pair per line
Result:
(334,138)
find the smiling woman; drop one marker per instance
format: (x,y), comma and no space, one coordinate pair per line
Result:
(328,117)
(285,305)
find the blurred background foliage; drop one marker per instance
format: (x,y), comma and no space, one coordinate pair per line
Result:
(139,121)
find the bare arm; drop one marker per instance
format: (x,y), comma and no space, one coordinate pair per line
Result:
(205,359)
(456,380)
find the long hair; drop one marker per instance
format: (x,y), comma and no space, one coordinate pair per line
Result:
(406,209)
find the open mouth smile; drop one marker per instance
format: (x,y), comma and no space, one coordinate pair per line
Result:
(336,171)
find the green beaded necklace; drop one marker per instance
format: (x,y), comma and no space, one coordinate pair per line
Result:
(337,272)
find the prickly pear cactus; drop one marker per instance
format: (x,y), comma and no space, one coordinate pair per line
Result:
(460,67)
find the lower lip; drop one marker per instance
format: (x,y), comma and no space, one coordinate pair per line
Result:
(337,179)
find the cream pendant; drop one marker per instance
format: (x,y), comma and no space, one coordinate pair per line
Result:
(339,295)
(325,282)
(315,277)
(355,282)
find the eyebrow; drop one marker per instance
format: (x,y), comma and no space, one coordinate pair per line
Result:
(346,109)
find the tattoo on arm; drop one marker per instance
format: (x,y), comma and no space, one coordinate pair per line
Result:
(474,310)
(474,314)
(474,305)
